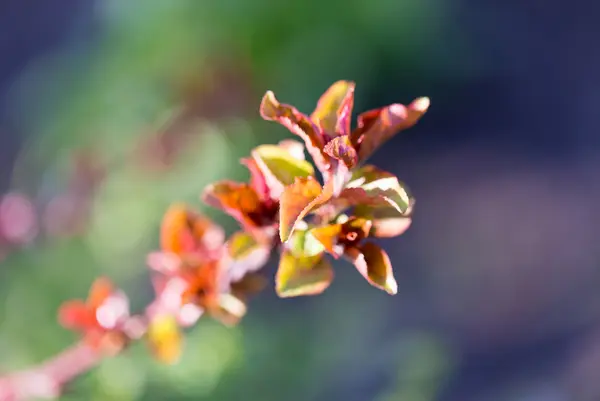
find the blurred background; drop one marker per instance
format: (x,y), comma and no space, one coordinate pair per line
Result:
(112,109)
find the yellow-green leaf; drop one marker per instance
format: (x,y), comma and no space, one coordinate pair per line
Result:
(371,186)
(303,244)
(280,167)
(302,276)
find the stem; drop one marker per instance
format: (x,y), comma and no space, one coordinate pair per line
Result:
(47,379)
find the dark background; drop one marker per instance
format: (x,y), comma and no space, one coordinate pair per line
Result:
(498,275)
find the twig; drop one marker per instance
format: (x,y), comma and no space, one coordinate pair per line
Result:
(47,379)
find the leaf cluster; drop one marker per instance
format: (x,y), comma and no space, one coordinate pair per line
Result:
(306,212)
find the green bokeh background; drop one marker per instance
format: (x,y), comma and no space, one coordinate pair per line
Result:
(110,90)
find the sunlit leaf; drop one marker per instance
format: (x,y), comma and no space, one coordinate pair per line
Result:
(165,338)
(375,127)
(294,148)
(303,244)
(334,109)
(295,203)
(387,222)
(374,187)
(336,237)
(247,254)
(279,167)
(299,124)
(229,309)
(328,236)
(374,265)
(302,276)
(239,200)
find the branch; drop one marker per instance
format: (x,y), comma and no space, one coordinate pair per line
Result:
(47,379)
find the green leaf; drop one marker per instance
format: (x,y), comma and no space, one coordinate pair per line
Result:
(302,276)
(303,244)
(334,109)
(280,167)
(375,127)
(374,265)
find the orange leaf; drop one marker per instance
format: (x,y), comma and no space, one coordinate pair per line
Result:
(75,314)
(374,265)
(203,283)
(328,236)
(299,199)
(101,289)
(334,109)
(239,200)
(184,230)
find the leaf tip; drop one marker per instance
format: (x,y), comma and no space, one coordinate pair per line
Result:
(421,104)
(391,286)
(268,105)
